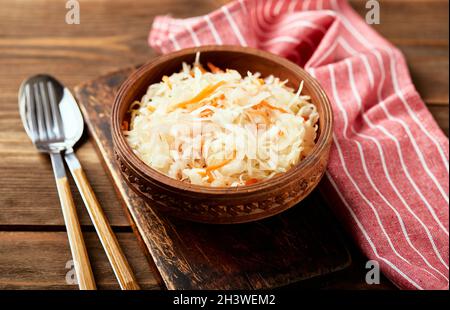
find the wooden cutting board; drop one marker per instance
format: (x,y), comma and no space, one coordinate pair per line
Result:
(298,244)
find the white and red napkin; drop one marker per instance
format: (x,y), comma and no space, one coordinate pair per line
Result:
(389,164)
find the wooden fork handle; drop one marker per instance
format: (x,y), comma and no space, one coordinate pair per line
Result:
(77,247)
(116,257)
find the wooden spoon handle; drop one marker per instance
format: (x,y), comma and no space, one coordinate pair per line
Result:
(82,265)
(116,257)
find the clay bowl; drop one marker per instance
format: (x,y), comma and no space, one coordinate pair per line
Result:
(222,205)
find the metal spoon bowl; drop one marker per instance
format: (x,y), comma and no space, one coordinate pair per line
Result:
(69,116)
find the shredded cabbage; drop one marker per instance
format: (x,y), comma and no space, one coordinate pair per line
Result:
(216,128)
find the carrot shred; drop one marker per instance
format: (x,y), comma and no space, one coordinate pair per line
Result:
(150,108)
(215,100)
(261,114)
(251,181)
(268,105)
(210,176)
(215,167)
(220,165)
(213,68)
(206,113)
(201,68)
(208,90)
(166,80)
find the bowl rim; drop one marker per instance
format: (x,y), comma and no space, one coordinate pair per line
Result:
(147,172)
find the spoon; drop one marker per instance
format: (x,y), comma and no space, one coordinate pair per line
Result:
(73,125)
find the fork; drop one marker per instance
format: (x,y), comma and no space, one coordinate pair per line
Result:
(47,133)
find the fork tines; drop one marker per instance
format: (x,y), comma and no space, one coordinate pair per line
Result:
(43,115)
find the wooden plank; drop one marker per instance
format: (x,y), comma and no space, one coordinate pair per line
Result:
(440,114)
(37,260)
(29,172)
(404,22)
(429,69)
(199,256)
(411,23)
(34,37)
(419,28)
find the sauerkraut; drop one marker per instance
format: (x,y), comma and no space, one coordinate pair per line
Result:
(214,127)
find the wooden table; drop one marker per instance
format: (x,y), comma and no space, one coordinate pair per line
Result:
(112,35)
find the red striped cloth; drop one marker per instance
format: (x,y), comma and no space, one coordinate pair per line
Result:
(389,162)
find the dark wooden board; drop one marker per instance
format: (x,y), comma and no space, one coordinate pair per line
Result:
(299,244)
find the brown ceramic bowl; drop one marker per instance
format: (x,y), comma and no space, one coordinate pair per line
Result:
(222,205)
